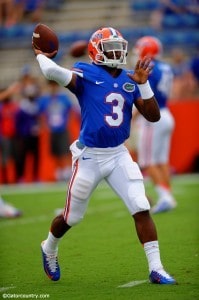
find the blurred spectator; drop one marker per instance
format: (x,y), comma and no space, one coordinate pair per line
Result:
(192,6)
(8,92)
(30,9)
(166,7)
(55,109)
(181,85)
(27,125)
(180,63)
(7,127)
(194,67)
(26,90)
(186,74)
(194,74)
(8,111)
(174,9)
(6,8)
(56,5)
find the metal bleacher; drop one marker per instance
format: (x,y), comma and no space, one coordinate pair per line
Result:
(77,19)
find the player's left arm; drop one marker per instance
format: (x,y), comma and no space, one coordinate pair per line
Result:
(147,104)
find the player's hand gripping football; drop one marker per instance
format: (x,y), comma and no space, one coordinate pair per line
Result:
(49,55)
(141,71)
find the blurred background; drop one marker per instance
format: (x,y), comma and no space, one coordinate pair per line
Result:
(26,156)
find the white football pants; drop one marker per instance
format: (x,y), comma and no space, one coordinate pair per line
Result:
(116,167)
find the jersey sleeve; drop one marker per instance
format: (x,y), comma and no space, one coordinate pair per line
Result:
(85,72)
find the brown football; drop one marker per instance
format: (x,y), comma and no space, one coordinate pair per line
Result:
(45,39)
(78,48)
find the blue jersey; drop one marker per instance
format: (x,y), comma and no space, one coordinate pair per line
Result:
(161,79)
(106,105)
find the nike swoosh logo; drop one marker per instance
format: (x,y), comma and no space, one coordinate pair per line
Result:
(99,82)
(85,158)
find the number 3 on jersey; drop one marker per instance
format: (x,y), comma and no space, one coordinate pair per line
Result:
(115,119)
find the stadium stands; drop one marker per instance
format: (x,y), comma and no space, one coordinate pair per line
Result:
(76,19)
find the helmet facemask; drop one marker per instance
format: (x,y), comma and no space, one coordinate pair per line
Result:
(112,52)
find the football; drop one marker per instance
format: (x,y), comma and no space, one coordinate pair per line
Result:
(45,39)
(78,48)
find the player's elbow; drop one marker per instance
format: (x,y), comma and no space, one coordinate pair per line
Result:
(154,117)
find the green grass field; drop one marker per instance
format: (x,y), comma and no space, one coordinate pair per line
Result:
(101,258)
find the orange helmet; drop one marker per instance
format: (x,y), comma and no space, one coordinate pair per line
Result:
(104,41)
(148,46)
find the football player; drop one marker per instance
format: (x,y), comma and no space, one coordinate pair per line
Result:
(106,94)
(154,138)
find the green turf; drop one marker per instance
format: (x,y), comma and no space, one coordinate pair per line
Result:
(102,253)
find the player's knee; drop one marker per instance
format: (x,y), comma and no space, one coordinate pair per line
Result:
(74,219)
(138,199)
(140,204)
(81,189)
(80,193)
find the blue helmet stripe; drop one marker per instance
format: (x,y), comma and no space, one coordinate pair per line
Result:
(113,32)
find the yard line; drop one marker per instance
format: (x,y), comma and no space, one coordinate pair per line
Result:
(132,283)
